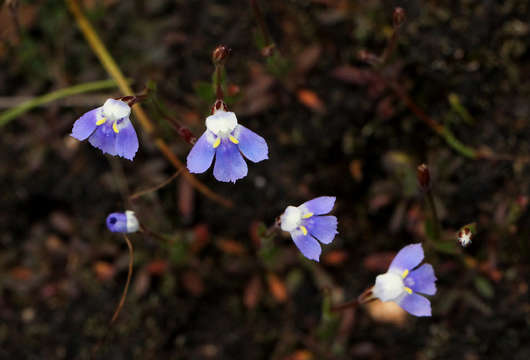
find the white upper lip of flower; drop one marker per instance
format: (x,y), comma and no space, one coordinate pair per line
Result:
(388,286)
(222,123)
(291,218)
(115,109)
(132,222)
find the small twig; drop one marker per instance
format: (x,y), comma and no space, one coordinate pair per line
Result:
(129,276)
(123,296)
(154,188)
(365,297)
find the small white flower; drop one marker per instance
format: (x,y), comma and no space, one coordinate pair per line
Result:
(464,237)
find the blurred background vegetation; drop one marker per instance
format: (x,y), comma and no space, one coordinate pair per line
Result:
(335,124)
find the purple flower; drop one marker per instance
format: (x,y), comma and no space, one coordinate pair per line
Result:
(227,139)
(109,129)
(123,222)
(402,285)
(306,226)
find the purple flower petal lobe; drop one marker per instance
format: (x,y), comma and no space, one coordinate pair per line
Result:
(85,125)
(307,245)
(320,205)
(126,141)
(422,280)
(416,305)
(324,228)
(253,146)
(407,258)
(201,155)
(229,165)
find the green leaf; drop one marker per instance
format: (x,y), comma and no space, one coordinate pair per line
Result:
(484,287)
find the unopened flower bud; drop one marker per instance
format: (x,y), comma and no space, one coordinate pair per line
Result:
(399,16)
(220,54)
(424,177)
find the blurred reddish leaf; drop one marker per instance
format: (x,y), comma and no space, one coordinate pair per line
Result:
(157,267)
(253,292)
(253,232)
(356,170)
(142,281)
(201,238)
(310,99)
(104,270)
(192,282)
(335,257)
(233,90)
(21,273)
(352,75)
(378,262)
(186,198)
(308,58)
(300,355)
(62,222)
(277,287)
(231,247)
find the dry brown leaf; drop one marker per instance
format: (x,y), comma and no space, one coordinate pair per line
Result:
(21,273)
(104,271)
(310,99)
(335,257)
(157,267)
(192,282)
(201,238)
(387,312)
(253,292)
(378,262)
(356,170)
(308,58)
(300,355)
(277,287)
(231,247)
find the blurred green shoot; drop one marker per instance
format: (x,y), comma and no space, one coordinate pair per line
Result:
(277,65)
(330,321)
(268,253)
(457,107)
(26,106)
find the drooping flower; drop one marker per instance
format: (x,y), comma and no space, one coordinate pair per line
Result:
(123,222)
(227,140)
(403,285)
(306,224)
(108,128)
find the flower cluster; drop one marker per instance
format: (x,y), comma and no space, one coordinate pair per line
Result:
(306,225)
(403,284)
(109,129)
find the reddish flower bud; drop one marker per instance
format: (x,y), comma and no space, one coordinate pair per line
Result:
(220,54)
(399,16)
(424,177)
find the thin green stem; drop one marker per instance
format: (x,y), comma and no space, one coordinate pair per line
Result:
(434,215)
(26,106)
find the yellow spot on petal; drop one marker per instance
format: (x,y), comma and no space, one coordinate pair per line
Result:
(234,140)
(217,142)
(101,121)
(304,230)
(405,273)
(115,127)
(409,290)
(307,216)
